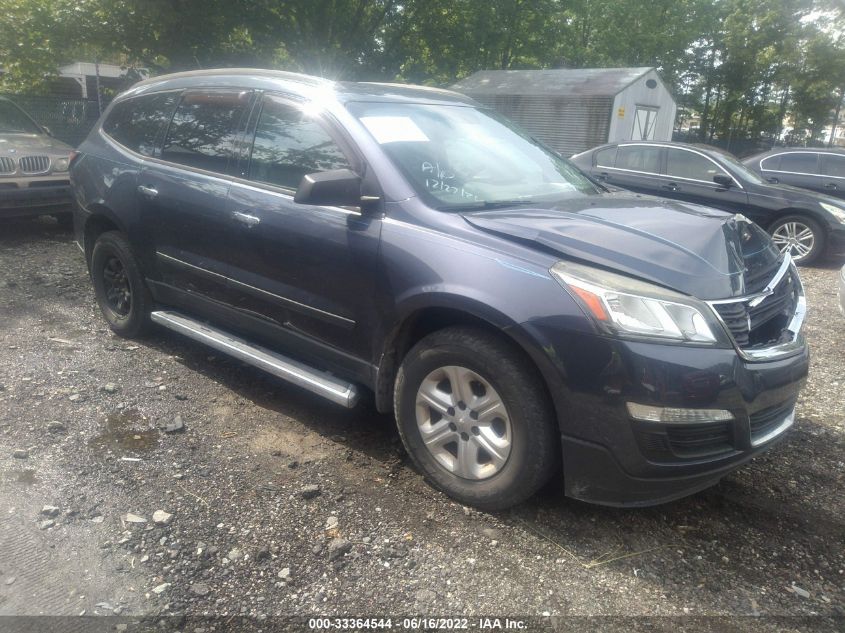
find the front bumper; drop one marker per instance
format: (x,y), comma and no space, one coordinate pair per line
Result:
(35,199)
(610,458)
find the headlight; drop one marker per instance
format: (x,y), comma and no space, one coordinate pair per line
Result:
(837,212)
(60,164)
(624,306)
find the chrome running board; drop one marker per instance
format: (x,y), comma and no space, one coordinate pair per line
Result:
(314,380)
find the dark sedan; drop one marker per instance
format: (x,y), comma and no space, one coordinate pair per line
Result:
(801,222)
(821,170)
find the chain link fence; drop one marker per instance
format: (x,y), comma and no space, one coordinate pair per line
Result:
(69,119)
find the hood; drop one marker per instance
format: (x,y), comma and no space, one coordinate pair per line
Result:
(691,249)
(28,143)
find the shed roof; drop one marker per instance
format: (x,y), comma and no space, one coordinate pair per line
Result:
(565,81)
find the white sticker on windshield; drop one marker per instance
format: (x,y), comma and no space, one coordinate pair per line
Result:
(393,129)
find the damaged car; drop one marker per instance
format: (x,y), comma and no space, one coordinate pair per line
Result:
(409,246)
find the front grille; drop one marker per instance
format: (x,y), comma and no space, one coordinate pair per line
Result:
(766,420)
(7,165)
(764,324)
(34,164)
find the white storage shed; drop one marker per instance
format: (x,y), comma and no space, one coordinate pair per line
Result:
(572,110)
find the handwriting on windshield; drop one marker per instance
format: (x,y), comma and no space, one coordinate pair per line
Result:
(439,179)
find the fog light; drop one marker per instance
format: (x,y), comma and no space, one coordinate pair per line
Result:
(671,415)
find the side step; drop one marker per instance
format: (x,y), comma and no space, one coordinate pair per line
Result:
(314,380)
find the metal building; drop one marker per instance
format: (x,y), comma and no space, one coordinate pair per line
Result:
(572,110)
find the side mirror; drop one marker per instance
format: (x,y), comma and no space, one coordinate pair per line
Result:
(334,188)
(47,130)
(723,180)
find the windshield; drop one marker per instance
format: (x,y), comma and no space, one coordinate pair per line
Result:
(13,120)
(460,157)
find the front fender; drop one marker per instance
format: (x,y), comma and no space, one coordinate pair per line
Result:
(478,276)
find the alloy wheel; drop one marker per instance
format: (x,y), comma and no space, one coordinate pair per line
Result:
(116,286)
(794,237)
(463,422)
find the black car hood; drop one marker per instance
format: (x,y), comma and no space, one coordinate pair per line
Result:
(695,250)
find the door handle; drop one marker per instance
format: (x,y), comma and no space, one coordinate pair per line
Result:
(773,180)
(602,176)
(246,218)
(672,186)
(148,192)
(830,185)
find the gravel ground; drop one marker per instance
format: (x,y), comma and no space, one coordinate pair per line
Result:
(279,503)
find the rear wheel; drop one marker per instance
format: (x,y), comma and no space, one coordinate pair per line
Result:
(475,418)
(801,236)
(119,285)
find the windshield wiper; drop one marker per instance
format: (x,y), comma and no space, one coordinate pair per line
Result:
(487,204)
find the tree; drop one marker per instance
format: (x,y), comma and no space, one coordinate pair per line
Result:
(820,86)
(742,65)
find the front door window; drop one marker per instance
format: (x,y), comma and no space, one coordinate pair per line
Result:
(289,144)
(691,166)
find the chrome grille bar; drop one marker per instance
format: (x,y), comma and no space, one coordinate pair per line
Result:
(34,164)
(741,316)
(7,165)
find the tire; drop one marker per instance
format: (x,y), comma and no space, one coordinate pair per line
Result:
(787,231)
(522,433)
(119,286)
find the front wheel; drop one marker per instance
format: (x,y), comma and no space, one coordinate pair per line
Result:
(475,418)
(801,236)
(119,285)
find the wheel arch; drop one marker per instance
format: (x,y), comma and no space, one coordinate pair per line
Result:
(100,219)
(457,311)
(788,211)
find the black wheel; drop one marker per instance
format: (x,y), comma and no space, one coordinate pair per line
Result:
(119,285)
(475,418)
(803,237)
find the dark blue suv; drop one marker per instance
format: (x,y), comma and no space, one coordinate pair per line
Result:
(407,243)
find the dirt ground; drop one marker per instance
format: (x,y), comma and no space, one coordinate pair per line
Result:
(281,503)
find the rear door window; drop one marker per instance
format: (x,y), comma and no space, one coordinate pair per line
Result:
(204,128)
(681,163)
(290,144)
(638,158)
(833,166)
(136,123)
(800,163)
